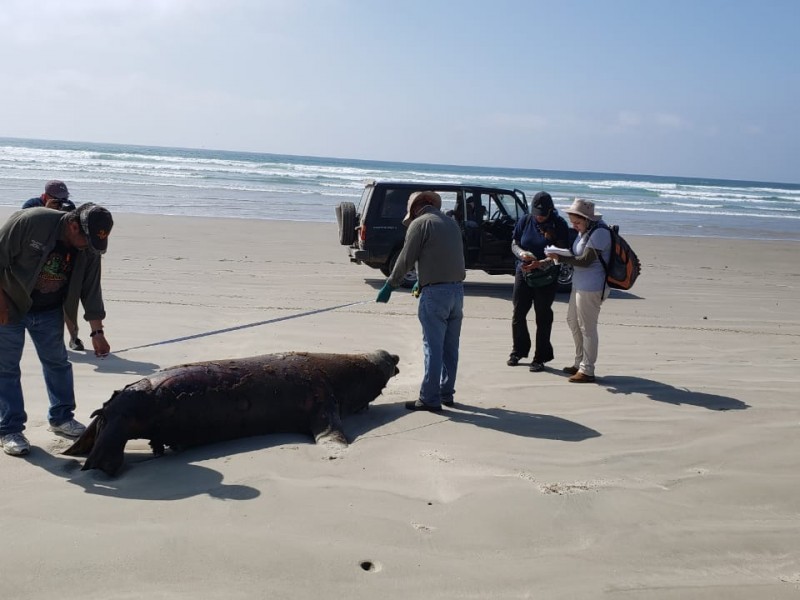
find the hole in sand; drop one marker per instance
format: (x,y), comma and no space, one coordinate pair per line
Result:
(369,566)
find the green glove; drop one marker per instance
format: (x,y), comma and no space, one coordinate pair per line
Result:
(385,293)
(415,290)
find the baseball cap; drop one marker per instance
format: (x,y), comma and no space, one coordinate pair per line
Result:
(96,224)
(56,189)
(542,204)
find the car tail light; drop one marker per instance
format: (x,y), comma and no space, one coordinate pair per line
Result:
(362,233)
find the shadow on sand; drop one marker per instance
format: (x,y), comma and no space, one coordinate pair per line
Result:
(170,477)
(511,422)
(502,288)
(114,364)
(662,392)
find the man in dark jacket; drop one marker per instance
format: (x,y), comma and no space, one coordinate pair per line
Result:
(49,261)
(56,196)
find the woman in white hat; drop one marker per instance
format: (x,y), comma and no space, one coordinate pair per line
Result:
(588,286)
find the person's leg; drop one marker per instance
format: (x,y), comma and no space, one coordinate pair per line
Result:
(452,338)
(47,332)
(521,299)
(588,309)
(12,405)
(432,315)
(543,299)
(574,327)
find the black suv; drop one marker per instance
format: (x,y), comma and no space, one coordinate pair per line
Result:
(374,231)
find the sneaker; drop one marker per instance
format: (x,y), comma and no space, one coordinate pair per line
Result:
(536,367)
(15,444)
(570,370)
(513,360)
(448,402)
(582,378)
(76,344)
(70,428)
(420,405)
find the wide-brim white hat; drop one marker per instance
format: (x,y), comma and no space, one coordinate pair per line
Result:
(583,208)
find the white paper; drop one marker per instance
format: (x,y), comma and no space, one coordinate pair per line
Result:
(557,250)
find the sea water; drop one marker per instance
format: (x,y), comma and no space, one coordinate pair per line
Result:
(247,185)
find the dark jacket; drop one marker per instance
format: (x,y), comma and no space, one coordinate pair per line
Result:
(26,240)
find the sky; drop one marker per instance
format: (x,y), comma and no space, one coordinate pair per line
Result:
(694,88)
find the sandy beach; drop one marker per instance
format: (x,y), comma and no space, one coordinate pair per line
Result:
(676,476)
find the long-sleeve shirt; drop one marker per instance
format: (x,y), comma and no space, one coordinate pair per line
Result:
(434,244)
(26,240)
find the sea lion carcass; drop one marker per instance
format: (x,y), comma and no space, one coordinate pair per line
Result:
(206,402)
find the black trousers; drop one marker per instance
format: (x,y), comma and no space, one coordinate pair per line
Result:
(541,299)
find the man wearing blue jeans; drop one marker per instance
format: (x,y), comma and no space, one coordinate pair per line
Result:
(434,244)
(49,261)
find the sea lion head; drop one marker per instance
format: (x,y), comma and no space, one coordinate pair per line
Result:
(386,362)
(368,376)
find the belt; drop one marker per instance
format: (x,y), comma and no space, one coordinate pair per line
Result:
(440,283)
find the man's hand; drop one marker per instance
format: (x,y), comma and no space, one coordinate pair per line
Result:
(415,291)
(385,293)
(100,344)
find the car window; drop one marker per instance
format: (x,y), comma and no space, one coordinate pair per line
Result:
(395,203)
(362,205)
(507,205)
(449,201)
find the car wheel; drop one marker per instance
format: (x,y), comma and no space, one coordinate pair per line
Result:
(565,278)
(409,279)
(346,218)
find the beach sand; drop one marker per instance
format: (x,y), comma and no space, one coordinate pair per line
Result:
(676,476)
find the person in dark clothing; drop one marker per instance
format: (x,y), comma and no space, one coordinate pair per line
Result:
(49,260)
(544,227)
(56,196)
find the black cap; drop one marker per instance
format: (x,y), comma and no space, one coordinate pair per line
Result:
(96,224)
(542,204)
(56,189)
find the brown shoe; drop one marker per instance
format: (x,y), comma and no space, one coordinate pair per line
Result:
(570,370)
(581,378)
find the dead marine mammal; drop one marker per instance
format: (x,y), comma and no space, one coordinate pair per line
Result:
(206,402)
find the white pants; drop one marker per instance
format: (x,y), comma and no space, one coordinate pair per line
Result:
(582,314)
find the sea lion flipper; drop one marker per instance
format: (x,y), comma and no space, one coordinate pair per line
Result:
(327,427)
(85,443)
